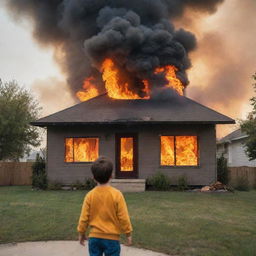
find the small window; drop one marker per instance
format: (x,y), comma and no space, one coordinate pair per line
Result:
(179,151)
(81,149)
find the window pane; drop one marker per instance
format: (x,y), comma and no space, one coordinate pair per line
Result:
(126,154)
(186,150)
(69,150)
(167,150)
(86,149)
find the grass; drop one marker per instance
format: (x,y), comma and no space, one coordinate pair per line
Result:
(176,223)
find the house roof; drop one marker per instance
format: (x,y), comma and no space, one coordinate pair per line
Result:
(235,135)
(102,109)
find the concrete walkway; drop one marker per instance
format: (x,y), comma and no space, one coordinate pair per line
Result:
(62,248)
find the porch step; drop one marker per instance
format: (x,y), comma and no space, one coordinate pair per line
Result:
(129,185)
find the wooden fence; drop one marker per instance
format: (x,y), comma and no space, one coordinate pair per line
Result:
(245,171)
(15,173)
(19,173)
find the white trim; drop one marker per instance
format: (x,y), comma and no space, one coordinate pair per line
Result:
(241,137)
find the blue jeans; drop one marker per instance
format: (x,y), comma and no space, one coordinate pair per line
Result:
(98,246)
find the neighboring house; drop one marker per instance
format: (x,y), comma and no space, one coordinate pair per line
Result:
(232,148)
(175,136)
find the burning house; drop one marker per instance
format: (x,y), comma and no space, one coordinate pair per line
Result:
(171,134)
(127,63)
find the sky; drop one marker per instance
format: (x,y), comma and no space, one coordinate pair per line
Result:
(20,57)
(32,66)
(225,60)
(220,76)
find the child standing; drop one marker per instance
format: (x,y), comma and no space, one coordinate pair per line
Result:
(105,212)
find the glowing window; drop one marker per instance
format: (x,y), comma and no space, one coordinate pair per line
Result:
(126,154)
(186,150)
(167,150)
(179,151)
(81,149)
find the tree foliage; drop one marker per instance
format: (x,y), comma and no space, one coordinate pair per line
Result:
(249,127)
(17,110)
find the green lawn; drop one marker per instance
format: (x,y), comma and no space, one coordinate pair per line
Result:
(178,223)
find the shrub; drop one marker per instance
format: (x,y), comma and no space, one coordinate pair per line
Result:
(242,183)
(230,188)
(222,170)
(182,183)
(55,186)
(159,181)
(78,185)
(89,183)
(39,177)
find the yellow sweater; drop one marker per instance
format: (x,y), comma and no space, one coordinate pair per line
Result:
(104,210)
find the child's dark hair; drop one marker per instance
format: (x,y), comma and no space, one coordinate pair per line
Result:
(102,169)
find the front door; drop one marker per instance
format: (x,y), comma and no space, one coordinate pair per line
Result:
(126,156)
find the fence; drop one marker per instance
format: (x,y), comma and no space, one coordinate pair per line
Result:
(248,172)
(15,173)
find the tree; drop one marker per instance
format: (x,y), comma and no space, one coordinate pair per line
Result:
(249,127)
(17,110)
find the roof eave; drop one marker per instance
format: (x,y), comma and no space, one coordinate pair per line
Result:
(45,124)
(241,137)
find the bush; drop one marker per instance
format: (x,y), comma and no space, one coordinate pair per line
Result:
(222,170)
(39,177)
(89,183)
(78,186)
(182,183)
(55,186)
(230,188)
(242,183)
(159,181)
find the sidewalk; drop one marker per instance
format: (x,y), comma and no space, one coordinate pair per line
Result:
(62,248)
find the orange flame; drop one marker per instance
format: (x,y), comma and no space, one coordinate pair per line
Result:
(186,150)
(69,154)
(81,149)
(179,150)
(170,75)
(126,154)
(114,88)
(89,90)
(122,90)
(167,150)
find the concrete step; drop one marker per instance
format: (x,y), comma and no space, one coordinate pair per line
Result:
(129,185)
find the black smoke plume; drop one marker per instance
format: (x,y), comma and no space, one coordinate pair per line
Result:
(137,34)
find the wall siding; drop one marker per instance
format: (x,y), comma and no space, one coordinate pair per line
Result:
(148,150)
(237,156)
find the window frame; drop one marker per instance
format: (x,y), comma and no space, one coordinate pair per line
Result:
(80,137)
(179,166)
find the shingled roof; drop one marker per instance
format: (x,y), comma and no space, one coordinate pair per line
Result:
(235,135)
(104,110)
